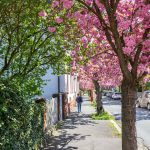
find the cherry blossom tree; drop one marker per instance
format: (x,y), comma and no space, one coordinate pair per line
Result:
(123,27)
(99,72)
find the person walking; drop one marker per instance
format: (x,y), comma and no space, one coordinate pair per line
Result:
(79,102)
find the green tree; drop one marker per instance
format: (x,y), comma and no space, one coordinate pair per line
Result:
(27,48)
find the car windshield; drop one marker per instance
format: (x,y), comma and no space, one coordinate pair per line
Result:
(118,93)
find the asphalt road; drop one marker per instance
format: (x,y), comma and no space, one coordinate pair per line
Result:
(142,118)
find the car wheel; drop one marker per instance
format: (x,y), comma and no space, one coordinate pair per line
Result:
(138,104)
(148,106)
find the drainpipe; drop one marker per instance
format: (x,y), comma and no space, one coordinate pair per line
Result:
(58,84)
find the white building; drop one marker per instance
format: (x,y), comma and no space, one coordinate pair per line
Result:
(54,85)
(60,84)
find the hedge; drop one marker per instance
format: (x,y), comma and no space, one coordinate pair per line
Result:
(21,120)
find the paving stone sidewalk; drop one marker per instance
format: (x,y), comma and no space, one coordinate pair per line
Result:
(80,132)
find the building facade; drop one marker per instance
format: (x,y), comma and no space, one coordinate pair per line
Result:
(60,84)
(60,93)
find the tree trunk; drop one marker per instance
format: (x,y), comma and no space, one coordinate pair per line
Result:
(129,141)
(99,104)
(91,95)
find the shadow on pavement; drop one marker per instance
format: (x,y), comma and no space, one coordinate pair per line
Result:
(142,114)
(77,119)
(61,141)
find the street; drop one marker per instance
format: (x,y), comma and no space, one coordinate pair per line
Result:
(142,118)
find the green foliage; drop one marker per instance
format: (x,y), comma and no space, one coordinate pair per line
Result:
(148,86)
(26,45)
(102,116)
(59,125)
(27,48)
(21,119)
(94,104)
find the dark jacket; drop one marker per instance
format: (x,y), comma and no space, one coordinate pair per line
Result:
(79,99)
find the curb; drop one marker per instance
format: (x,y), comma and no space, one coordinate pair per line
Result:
(141,145)
(113,122)
(116,126)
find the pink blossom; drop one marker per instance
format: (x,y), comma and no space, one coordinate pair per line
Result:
(73,53)
(89,2)
(84,40)
(67,4)
(55,4)
(51,29)
(59,20)
(42,14)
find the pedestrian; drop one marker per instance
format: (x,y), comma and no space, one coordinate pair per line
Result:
(79,102)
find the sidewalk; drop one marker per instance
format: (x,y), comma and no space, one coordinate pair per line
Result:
(81,133)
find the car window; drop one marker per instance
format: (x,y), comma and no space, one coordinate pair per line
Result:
(118,93)
(147,94)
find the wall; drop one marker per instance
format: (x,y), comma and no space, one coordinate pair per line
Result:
(68,84)
(51,86)
(63,84)
(51,112)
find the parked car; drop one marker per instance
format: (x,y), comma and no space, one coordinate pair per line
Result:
(109,94)
(103,93)
(144,100)
(116,95)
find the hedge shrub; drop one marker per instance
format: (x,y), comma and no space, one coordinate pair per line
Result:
(21,120)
